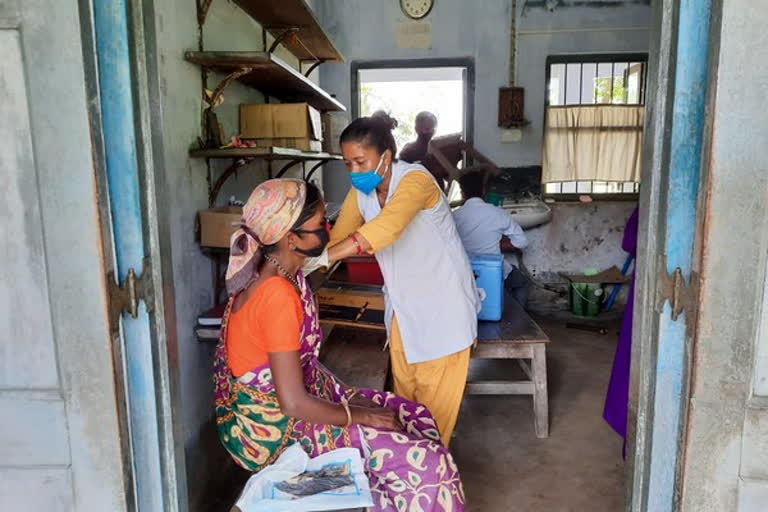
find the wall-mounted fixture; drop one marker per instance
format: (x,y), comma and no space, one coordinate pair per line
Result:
(512,107)
(416,9)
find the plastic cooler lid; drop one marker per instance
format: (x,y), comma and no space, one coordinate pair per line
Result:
(485,258)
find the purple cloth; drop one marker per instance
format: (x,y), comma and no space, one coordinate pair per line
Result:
(616,400)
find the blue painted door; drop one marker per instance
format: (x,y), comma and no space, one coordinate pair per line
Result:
(670,222)
(116,86)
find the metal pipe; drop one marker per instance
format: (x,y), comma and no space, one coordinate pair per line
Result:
(547,31)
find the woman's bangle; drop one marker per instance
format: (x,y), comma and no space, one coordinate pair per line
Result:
(349,413)
(358,247)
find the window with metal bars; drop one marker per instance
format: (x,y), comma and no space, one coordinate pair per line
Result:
(618,79)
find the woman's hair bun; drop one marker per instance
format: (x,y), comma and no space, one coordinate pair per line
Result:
(374,131)
(385,118)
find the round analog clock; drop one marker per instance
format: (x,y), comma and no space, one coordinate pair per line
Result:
(416,9)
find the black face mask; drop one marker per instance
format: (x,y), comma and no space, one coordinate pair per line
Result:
(316,251)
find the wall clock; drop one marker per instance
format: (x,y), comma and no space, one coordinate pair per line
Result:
(416,9)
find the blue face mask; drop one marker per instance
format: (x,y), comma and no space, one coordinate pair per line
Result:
(366,181)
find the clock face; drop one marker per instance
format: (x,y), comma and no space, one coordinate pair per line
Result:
(416,9)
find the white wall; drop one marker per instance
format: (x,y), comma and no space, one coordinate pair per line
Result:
(579,236)
(366,30)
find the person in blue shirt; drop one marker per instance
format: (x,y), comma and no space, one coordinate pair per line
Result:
(487,229)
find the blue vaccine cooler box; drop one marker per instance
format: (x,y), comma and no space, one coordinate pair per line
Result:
(489,274)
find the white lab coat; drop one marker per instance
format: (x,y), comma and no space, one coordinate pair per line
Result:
(428,280)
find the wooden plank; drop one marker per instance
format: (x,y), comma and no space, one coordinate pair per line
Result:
(27,347)
(350,298)
(355,325)
(269,74)
(526,368)
(352,306)
(608,276)
(41,488)
(278,15)
(515,327)
(30,417)
(485,350)
(500,387)
(271,153)
(753,495)
(540,396)
(208,335)
(357,357)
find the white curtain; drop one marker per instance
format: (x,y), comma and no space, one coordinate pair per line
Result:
(593,143)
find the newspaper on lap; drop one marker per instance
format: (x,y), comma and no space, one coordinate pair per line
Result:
(296,483)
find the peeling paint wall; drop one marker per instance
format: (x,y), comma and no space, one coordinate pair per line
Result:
(578,237)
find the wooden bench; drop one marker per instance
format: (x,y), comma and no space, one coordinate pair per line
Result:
(518,337)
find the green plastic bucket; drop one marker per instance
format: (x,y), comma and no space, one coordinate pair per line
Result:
(586,298)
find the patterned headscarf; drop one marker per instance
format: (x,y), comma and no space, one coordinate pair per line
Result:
(271,211)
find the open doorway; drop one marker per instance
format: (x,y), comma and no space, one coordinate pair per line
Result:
(403,89)
(404,92)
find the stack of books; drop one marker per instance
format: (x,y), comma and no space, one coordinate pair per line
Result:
(209,323)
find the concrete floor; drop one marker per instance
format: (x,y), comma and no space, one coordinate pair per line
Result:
(504,466)
(579,468)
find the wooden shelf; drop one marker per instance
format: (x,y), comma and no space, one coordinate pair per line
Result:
(241,156)
(272,153)
(277,16)
(268,74)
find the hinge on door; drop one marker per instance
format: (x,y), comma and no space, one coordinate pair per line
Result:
(126,297)
(682,296)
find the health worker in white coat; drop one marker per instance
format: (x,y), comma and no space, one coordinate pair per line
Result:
(397,212)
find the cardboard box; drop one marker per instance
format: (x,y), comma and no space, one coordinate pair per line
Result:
(333,124)
(218,224)
(302,144)
(284,120)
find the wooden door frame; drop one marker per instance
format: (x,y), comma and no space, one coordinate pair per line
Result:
(145,78)
(652,324)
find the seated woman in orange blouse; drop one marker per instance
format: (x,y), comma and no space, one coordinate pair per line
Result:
(271,391)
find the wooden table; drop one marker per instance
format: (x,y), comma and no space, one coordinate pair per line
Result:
(518,337)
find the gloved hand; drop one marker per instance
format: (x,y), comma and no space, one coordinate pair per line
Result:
(312,264)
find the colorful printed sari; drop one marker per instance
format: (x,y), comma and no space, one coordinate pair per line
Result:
(408,471)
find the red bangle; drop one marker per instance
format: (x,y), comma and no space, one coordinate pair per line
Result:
(358,248)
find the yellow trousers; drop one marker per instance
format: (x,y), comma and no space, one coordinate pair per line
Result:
(438,384)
